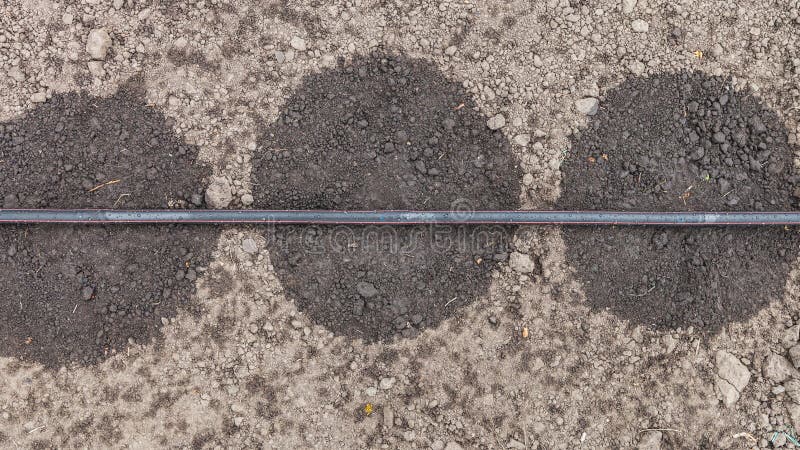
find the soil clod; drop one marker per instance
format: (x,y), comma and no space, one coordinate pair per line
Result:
(78,294)
(681,142)
(384,132)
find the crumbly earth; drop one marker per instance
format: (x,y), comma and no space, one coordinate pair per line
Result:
(557,338)
(81,294)
(384,132)
(681,142)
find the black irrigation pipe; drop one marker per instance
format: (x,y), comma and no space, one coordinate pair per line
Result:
(320,217)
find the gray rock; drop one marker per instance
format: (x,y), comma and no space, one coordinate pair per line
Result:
(298,43)
(496,122)
(16,74)
(366,290)
(386,383)
(388,417)
(640,26)
(628,6)
(588,106)
(98,43)
(520,262)
(791,336)
(218,194)
(180,43)
(247,199)
(10,201)
(732,377)
(794,414)
(637,67)
(249,246)
(778,369)
(792,387)
(522,139)
(87,292)
(39,97)
(96,69)
(527,179)
(794,353)
(651,440)
(453,445)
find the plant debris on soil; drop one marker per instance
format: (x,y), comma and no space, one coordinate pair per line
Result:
(681,142)
(384,132)
(80,294)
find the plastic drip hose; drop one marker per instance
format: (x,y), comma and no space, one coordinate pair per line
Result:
(328,217)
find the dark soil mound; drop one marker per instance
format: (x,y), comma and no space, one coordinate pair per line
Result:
(681,142)
(384,132)
(78,294)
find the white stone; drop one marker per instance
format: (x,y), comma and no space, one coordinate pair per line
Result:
(628,6)
(96,68)
(731,378)
(520,262)
(527,179)
(16,74)
(218,194)
(640,26)
(588,106)
(650,440)
(98,43)
(777,368)
(522,139)
(387,383)
(298,43)
(180,43)
(249,246)
(496,122)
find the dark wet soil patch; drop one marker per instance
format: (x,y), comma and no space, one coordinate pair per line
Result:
(384,132)
(79,294)
(681,142)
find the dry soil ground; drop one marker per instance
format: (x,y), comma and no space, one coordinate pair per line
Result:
(443,338)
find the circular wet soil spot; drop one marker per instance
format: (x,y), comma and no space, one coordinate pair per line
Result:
(681,142)
(384,132)
(81,293)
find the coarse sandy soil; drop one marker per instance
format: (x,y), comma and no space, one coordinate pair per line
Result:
(410,337)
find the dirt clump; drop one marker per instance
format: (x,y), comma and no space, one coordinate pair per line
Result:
(78,294)
(681,142)
(384,132)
